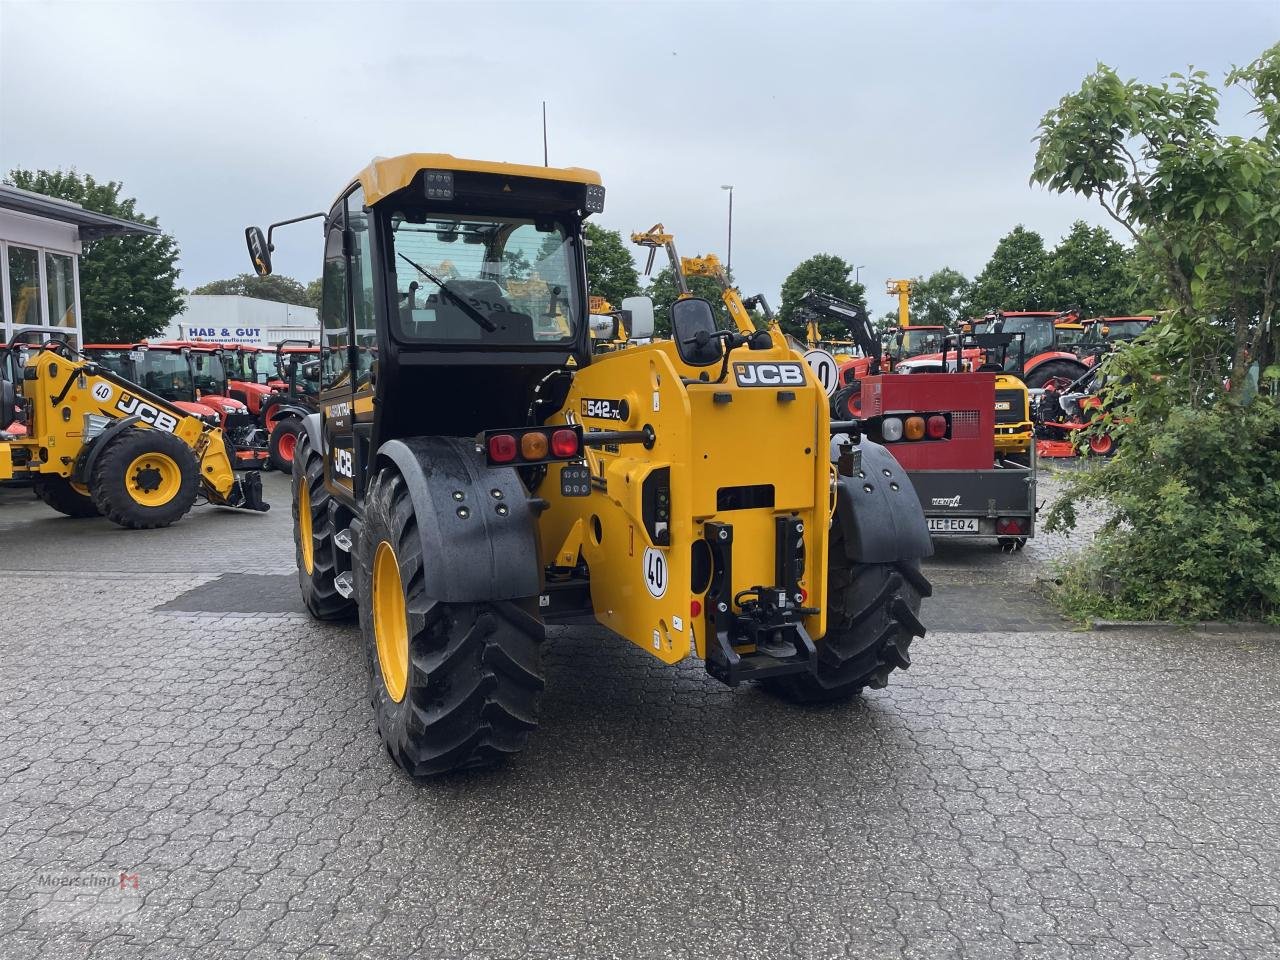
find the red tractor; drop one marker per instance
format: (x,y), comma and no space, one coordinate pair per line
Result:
(298,367)
(251,374)
(1101,334)
(1048,339)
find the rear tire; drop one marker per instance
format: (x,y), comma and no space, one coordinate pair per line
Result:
(845,401)
(58,493)
(468,675)
(1061,372)
(283,445)
(317,564)
(145,479)
(872,617)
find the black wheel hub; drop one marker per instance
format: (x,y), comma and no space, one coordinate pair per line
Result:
(147,479)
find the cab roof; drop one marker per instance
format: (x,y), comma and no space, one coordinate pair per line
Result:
(385,175)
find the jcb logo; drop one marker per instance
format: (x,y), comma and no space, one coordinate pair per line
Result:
(132,406)
(769,374)
(342,462)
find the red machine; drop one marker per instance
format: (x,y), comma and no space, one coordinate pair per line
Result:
(1047,360)
(250,372)
(940,427)
(162,369)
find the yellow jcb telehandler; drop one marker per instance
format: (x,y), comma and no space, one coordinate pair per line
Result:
(489,473)
(96,444)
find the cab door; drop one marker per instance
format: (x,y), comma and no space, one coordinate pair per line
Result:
(336,412)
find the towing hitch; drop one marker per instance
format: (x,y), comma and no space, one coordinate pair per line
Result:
(767,638)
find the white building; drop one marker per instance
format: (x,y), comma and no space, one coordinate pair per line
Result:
(40,246)
(237,319)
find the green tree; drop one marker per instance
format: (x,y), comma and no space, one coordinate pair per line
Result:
(271,287)
(1194,528)
(825,273)
(1202,207)
(314,292)
(1014,276)
(939,299)
(611,271)
(128,285)
(1091,270)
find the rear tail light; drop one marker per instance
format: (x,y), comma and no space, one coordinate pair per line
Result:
(564,443)
(531,445)
(936,427)
(502,448)
(913,429)
(891,429)
(1009,526)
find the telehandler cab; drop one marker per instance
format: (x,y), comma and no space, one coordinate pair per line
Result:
(97,444)
(488,473)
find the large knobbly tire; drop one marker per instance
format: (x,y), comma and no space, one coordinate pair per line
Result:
(872,616)
(1061,372)
(317,566)
(145,479)
(282,446)
(453,685)
(58,493)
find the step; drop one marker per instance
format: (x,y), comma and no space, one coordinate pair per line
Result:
(344,584)
(342,539)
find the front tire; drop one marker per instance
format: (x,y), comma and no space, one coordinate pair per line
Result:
(145,479)
(62,495)
(313,544)
(453,686)
(872,617)
(846,403)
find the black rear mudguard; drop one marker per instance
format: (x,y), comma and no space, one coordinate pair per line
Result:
(479,535)
(878,510)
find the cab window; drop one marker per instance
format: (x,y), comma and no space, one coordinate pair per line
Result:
(334,318)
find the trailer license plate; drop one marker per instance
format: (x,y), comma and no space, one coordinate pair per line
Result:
(953,524)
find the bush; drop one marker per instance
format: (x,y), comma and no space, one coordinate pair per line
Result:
(1194,530)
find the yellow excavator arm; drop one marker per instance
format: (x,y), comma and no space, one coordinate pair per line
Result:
(708,265)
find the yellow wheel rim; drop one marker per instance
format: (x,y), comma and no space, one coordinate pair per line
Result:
(304,527)
(81,489)
(390,628)
(153,479)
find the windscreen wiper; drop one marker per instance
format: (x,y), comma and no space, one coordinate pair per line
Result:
(484,322)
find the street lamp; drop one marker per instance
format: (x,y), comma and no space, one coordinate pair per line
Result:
(729,260)
(857,273)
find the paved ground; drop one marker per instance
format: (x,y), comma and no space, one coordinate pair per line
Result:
(1027,790)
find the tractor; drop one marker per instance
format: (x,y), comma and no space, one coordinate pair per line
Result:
(298,371)
(98,444)
(476,471)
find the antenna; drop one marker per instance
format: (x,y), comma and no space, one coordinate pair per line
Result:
(544,134)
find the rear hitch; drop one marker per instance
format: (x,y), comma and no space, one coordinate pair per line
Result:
(769,627)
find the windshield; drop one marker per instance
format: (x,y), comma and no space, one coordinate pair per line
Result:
(264,367)
(1069,336)
(516,276)
(166,374)
(117,361)
(1039,332)
(1121,329)
(211,376)
(916,342)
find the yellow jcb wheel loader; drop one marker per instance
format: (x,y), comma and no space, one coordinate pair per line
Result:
(96,444)
(489,473)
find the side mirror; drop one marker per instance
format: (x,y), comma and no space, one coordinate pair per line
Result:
(899,337)
(259,250)
(603,327)
(693,326)
(640,326)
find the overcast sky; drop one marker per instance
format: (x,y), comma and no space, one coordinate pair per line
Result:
(895,135)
